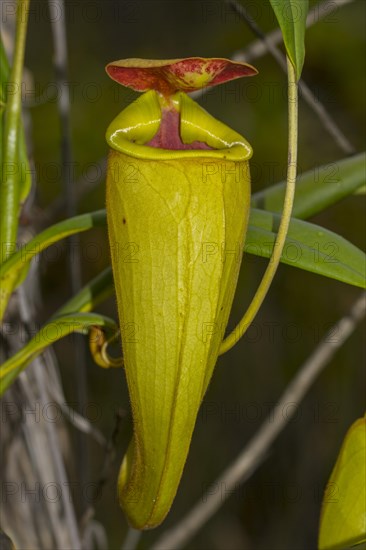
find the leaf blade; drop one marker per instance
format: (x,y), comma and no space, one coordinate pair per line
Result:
(317,189)
(14,270)
(291,16)
(308,247)
(54,330)
(92,294)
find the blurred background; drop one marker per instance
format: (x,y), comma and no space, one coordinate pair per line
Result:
(279,506)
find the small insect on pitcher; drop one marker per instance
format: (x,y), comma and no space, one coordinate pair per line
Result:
(178,194)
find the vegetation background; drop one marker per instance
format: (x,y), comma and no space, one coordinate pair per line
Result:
(279,506)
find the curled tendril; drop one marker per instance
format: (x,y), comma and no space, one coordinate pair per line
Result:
(98,344)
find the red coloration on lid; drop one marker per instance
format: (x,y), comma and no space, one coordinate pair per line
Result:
(167,76)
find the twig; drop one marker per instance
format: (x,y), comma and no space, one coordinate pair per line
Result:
(110,451)
(132,538)
(77,420)
(83,185)
(249,459)
(60,61)
(52,437)
(95,536)
(304,89)
(59,465)
(258,48)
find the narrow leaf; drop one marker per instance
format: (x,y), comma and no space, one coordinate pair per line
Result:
(318,188)
(14,270)
(92,294)
(52,235)
(309,247)
(54,330)
(343,516)
(291,16)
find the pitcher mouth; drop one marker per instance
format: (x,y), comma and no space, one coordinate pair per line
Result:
(153,129)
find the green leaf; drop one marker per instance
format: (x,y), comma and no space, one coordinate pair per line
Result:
(92,294)
(318,188)
(14,270)
(56,328)
(70,317)
(291,16)
(51,235)
(309,247)
(343,515)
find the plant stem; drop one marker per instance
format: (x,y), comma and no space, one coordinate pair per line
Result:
(10,185)
(270,272)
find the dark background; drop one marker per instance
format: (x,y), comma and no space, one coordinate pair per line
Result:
(278,508)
